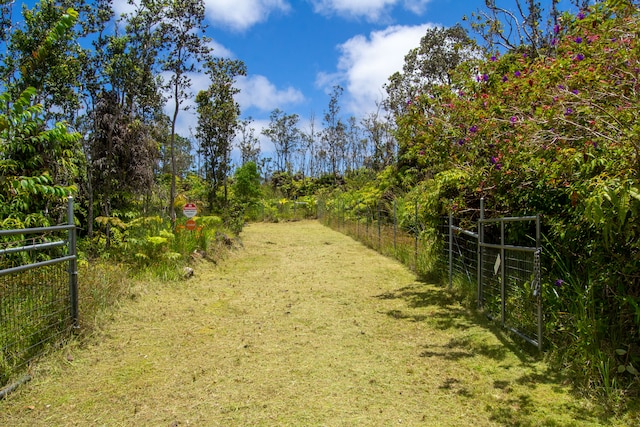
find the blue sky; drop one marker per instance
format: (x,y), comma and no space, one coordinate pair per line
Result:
(297,50)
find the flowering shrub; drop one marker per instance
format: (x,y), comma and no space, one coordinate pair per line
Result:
(557,135)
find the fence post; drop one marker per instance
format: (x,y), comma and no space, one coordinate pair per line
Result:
(357,215)
(450,249)
(537,275)
(395,228)
(503,285)
(415,248)
(73,264)
(479,248)
(379,230)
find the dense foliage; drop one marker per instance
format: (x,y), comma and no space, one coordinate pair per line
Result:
(555,134)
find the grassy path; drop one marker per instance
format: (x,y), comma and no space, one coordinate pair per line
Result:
(302,326)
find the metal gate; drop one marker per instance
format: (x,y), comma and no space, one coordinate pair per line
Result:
(38,291)
(506,270)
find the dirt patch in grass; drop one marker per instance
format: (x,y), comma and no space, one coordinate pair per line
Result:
(302,326)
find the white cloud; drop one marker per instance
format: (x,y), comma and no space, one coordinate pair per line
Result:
(219,50)
(372,10)
(257,91)
(120,7)
(365,64)
(242,14)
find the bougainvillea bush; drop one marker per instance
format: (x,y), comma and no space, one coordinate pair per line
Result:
(555,132)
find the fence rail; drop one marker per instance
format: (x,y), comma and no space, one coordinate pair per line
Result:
(38,291)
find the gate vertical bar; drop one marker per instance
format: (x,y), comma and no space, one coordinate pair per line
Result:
(415,248)
(537,275)
(73,264)
(503,285)
(450,249)
(479,250)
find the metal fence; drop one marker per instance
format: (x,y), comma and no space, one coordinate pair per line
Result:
(379,226)
(502,258)
(38,291)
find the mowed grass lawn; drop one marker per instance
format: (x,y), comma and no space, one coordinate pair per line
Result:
(302,326)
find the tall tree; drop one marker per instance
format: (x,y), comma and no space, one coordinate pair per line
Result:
(123,155)
(379,132)
(309,142)
(430,64)
(523,24)
(334,133)
(218,114)
(119,83)
(356,145)
(184,46)
(43,51)
(248,142)
(284,133)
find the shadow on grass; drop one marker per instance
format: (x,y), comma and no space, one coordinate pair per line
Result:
(435,305)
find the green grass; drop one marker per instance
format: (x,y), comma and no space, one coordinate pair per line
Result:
(303,326)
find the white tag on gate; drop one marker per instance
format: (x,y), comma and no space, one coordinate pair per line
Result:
(496,266)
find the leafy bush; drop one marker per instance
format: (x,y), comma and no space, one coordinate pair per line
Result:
(555,135)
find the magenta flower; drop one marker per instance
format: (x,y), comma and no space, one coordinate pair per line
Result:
(513,119)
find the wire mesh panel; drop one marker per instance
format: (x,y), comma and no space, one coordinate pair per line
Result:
(38,291)
(521,299)
(34,310)
(464,255)
(491,282)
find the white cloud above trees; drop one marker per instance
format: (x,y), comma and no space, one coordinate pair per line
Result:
(258,92)
(366,63)
(240,15)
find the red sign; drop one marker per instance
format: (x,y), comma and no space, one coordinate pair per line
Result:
(190,210)
(190,224)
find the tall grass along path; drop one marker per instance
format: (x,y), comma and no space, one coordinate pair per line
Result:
(302,326)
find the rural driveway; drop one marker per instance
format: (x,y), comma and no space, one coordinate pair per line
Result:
(302,326)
